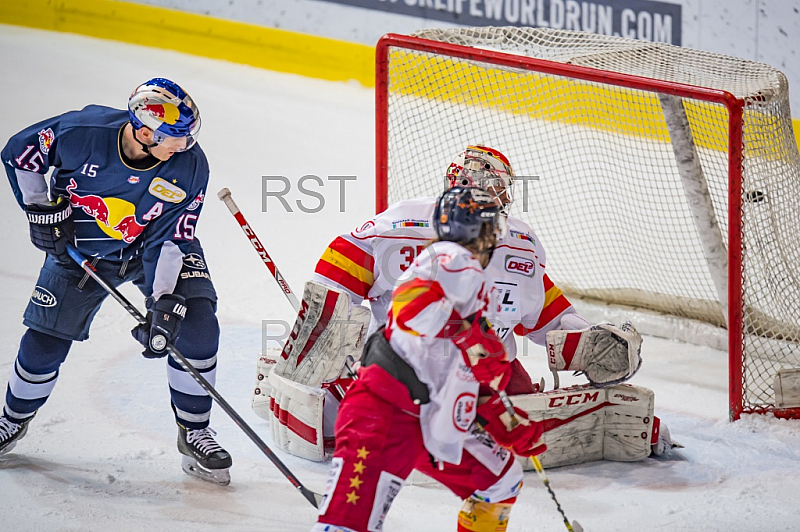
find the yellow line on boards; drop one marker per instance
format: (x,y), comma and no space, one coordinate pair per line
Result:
(249,44)
(205,36)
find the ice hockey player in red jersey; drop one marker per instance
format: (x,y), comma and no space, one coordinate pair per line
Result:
(416,397)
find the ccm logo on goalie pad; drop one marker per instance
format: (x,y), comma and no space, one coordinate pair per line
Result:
(520,265)
(574,399)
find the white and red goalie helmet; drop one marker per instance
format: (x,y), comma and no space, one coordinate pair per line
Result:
(483,167)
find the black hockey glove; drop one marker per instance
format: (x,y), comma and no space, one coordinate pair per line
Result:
(163,323)
(52,228)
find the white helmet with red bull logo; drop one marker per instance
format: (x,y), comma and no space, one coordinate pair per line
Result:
(483,167)
(164,107)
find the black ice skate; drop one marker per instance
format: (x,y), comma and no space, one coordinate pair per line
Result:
(11,433)
(203,456)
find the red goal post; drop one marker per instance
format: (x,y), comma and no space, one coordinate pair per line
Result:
(666,164)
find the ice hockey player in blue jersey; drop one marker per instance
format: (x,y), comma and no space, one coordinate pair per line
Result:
(127,188)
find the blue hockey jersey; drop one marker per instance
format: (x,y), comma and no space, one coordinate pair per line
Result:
(120,212)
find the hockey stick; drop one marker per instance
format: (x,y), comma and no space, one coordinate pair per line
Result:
(313,498)
(225,196)
(575,526)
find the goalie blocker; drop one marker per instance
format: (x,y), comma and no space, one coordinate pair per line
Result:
(295,391)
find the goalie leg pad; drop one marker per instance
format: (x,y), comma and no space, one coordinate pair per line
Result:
(297,418)
(326,332)
(584,423)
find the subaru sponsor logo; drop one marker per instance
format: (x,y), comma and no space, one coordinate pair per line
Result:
(194,261)
(43,297)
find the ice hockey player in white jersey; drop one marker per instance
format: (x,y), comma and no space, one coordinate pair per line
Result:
(416,397)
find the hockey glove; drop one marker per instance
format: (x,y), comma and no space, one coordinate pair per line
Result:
(163,324)
(484,352)
(52,228)
(605,353)
(521,435)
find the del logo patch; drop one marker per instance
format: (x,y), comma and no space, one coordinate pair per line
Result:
(166,191)
(520,265)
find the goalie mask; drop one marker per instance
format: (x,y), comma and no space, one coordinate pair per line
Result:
(486,168)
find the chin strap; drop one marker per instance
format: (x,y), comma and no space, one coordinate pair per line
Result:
(145,147)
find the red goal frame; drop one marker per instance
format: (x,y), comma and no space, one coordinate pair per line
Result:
(733,105)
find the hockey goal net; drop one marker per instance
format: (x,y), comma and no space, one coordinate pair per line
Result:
(656,176)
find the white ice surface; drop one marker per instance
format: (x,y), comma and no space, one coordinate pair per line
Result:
(101,454)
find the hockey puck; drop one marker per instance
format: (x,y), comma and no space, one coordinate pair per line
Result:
(754,196)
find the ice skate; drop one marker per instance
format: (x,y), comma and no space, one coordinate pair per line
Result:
(203,456)
(11,433)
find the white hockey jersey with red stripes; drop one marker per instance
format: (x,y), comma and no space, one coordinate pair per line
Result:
(444,285)
(368,263)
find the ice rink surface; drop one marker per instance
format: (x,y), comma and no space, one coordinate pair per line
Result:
(101,454)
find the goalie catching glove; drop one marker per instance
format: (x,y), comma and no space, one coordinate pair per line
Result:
(605,353)
(484,352)
(521,436)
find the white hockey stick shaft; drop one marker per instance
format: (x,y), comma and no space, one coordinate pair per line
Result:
(225,196)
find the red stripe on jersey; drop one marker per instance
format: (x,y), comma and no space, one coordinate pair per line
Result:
(422,293)
(548,284)
(343,277)
(549,313)
(322,324)
(354,253)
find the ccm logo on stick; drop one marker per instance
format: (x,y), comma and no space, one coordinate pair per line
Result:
(519,265)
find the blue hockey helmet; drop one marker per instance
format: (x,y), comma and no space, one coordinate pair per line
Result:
(462,212)
(163,106)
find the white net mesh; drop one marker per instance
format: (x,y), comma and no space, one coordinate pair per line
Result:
(598,179)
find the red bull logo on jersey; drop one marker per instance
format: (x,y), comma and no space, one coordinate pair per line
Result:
(129,229)
(115,217)
(46,138)
(166,112)
(94,206)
